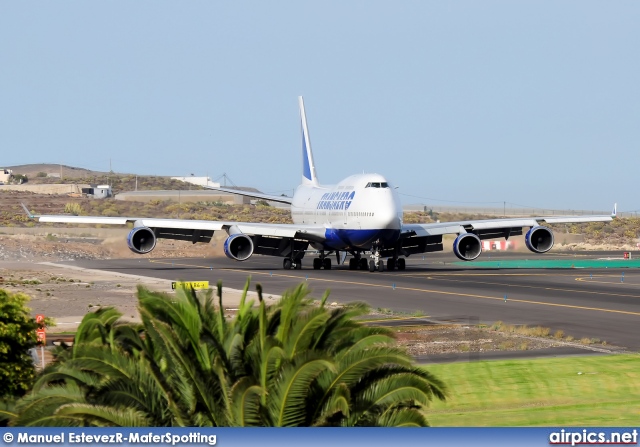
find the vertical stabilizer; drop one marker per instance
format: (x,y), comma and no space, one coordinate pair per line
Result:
(308,166)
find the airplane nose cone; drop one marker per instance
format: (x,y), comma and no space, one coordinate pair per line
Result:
(388,217)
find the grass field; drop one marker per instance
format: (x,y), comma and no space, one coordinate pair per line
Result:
(540,392)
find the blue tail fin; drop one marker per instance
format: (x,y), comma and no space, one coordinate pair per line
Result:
(308,167)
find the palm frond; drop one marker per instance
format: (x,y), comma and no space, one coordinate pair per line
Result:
(303,331)
(402,417)
(287,403)
(245,398)
(101,416)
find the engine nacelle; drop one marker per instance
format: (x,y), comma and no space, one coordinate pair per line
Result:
(539,239)
(467,246)
(238,246)
(141,240)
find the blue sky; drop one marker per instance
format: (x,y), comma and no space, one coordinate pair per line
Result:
(533,103)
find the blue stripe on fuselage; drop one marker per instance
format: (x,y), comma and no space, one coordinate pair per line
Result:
(339,239)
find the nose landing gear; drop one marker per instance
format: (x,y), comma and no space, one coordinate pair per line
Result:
(376,263)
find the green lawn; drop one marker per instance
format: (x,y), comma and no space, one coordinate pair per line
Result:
(540,392)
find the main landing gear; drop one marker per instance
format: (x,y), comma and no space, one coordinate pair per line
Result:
(322,262)
(293,259)
(394,263)
(358,262)
(289,264)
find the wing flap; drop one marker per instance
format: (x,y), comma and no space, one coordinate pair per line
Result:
(423,230)
(181,234)
(275,246)
(276,230)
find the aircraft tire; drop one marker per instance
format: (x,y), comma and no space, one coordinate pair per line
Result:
(317,264)
(391,264)
(326,263)
(402,264)
(287,264)
(372,266)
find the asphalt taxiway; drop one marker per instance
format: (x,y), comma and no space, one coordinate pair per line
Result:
(602,303)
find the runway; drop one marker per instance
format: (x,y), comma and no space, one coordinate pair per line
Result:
(599,303)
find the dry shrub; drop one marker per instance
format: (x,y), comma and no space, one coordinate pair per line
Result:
(558,334)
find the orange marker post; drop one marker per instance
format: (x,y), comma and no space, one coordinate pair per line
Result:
(41,334)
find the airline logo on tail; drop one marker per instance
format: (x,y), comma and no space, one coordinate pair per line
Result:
(308,167)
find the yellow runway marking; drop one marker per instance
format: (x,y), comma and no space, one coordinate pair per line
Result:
(413,289)
(544,288)
(589,279)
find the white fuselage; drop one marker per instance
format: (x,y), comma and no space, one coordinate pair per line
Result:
(356,212)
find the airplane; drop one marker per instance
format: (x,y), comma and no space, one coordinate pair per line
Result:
(361,216)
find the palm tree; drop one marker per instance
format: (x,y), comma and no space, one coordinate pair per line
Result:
(295,363)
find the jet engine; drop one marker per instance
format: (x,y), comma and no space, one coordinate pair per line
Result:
(238,246)
(467,246)
(539,239)
(141,240)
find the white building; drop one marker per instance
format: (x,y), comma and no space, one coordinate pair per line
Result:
(5,175)
(98,191)
(200,181)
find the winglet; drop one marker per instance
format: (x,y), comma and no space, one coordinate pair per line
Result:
(26,210)
(614,213)
(308,166)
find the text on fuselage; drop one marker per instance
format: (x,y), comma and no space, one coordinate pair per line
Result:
(336,200)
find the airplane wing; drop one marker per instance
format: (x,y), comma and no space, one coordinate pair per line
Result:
(254,195)
(421,238)
(264,238)
(493,228)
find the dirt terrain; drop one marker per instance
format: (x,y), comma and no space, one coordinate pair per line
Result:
(458,338)
(67,293)
(68,245)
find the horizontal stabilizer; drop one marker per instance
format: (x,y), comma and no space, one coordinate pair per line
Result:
(254,195)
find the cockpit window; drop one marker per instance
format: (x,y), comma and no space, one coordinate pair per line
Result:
(377,185)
